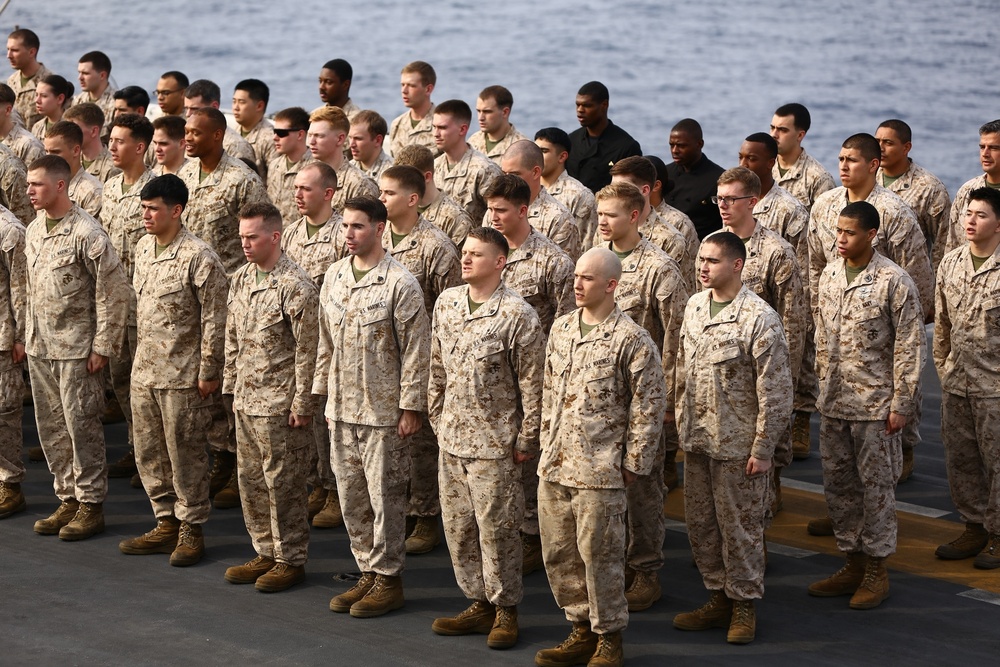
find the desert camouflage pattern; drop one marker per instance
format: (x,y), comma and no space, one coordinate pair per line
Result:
(13,298)
(315,255)
(542,274)
(352,182)
(381,163)
(24,103)
(928,197)
(102,166)
(682,223)
(478,141)
(281,184)
(953,233)
(14,186)
(106,102)
(806,180)
(237,147)
(87,191)
(466,180)
(24,144)
(581,203)
(547,215)
(261,140)
(445,214)
(403,133)
(430,256)
(970,430)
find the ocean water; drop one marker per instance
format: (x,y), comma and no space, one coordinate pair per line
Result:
(729,64)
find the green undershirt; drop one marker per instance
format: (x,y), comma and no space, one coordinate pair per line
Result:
(888,180)
(853,273)
(622,255)
(51,223)
(159,249)
(312,230)
(126,186)
(977,262)
(585,328)
(262,276)
(396,238)
(782,171)
(358,273)
(202,175)
(414,123)
(474,305)
(995,186)
(490,145)
(86,163)
(717,307)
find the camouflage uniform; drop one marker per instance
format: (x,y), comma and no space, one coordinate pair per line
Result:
(967,356)
(237,147)
(352,182)
(489,364)
(805,180)
(870,347)
(734,401)
(602,412)
(952,234)
(103,167)
(213,209)
(261,140)
(926,195)
(551,218)
(24,144)
(581,203)
(106,102)
(281,184)
(478,141)
(445,214)
(670,240)
(372,365)
(271,337)
(181,316)
(382,162)
(12,312)
(682,223)
(24,102)
(466,180)
(542,273)
(77,300)
(403,133)
(14,186)
(87,191)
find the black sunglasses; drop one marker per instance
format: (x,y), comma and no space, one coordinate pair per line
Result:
(283,132)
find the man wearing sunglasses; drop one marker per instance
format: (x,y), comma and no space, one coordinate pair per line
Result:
(290,154)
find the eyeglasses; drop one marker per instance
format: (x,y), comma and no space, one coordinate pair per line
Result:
(285,131)
(728,201)
(164,93)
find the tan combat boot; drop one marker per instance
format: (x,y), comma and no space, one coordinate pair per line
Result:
(969,543)
(190,545)
(478,618)
(531,554)
(822,527)
(160,540)
(330,516)
(609,651)
(229,496)
(425,535)
(11,499)
(385,595)
(342,603)
(223,464)
(52,524)
(671,479)
(125,466)
(874,587)
(249,572)
(574,650)
(989,557)
(280,577)
(800,436)
(716,613)
(36,454)
(844,581)
(89,521)
(317,499)
(644,591)
(907,470)
(503,635)
(743,626)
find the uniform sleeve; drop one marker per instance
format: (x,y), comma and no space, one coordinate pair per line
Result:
(301,307)
(211,288)
(567,236)
(908,248)
(647,404)
(111,295)
(91,202)
(562,285)
(446,271)
(528,360)
(232,342)
(670,299)
(14,194)
(790,304)
(952,234)
(413,335)
(817,259)
(324,346)
(910,346)
(822,183)
(16,263)
(942,322)
(769,351)
(437,379)
(938,213)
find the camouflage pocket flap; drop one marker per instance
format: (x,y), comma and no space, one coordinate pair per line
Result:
(725,354)
(492,347)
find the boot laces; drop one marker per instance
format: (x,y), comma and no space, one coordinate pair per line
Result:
(186,536)
(741,613)
(504,616)
(475,609)
(605,648)
(576,635)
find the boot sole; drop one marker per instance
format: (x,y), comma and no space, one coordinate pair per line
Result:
(957,555)
(185,562)
(869,605)
(722,625)
(76,537)
(242,580)
(828,594)
(372,613)
(739,640)
(45,530)
(501,645)
(644,605)
(477,630)
(20,508)
(980,565)
(581,660)
(133,551)
(277,588)
(421,550)
(323,525)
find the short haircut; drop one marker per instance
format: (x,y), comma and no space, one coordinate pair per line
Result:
(491,237)
(341,68)
(207,90)
(409,178)
(624,192)
(417,156)
(457,109)
(637,167)
(297,117)
(172,125)
(749,180)
(554,136)
(498,94)
(992,127)
(138,126)
(510,187)
(901,129)
(98,59)
(690,127)
(373,120)
(732,245)
(527,153)
(661,171)
(370,206)
(988,195)
(864,213)
(67,130)
(7,94)
(26,37)
(327,174)
(52,165)
(59,85)
(87,113)
(866,144)
(216,118)
(335,116)
(798,112)
(268,212)
(134,96)
(168,187)
(595,90)
(770,145)
(179,77)
(256,89)
(427,74)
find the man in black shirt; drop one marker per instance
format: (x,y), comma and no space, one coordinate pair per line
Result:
(598,143)
(694,177)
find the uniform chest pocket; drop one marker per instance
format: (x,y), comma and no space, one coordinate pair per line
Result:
(270,317)
(66,274)
(487,350)
(870,327)
(214,212)
(374,316)
(991,313)
(558,364)
(171,287)
(726,354)
(631,303)
(527,288)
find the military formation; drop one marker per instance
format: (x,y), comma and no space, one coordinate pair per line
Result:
(324,318)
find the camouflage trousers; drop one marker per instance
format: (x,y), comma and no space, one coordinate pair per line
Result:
(69,402)
(222,431)
(583,547)
(271,458)
(970,429)
(11,428)
(529,490)
(860,467)
(911,432)
(120,369)
(724,510)
(807,383)
(372,465)
(482,507)
(320,473)
(646,528)
(171,427)
(423,492)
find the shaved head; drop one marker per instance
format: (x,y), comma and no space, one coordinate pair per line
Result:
(525,153)
(601,262)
